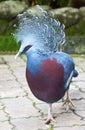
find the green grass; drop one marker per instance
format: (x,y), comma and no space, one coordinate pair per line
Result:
(8,43)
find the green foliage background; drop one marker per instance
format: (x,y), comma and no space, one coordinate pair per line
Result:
(8,43)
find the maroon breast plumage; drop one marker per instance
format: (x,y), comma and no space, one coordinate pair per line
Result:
(47,84)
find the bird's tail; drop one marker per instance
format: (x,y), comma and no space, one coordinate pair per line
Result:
(75,73)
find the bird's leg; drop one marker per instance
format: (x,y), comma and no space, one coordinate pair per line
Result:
(50,117)
(68,103)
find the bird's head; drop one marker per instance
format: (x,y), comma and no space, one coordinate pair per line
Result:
(27,41)
(23,50)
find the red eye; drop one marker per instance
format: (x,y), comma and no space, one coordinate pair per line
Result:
(27,47)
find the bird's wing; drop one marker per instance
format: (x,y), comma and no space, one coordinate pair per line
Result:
(69,80)
(74,73)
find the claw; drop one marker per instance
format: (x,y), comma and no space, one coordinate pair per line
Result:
(50,117)
(68,103)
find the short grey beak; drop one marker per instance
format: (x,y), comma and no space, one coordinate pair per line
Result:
(19,52)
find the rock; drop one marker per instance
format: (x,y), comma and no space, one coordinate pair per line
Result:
(67,15)
(75,45)
(9,9)
(37,9)
(82,12)
(45,7)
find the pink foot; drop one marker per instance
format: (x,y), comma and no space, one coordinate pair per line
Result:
(49,118)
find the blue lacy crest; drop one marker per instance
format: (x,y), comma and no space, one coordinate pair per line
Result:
(40,30)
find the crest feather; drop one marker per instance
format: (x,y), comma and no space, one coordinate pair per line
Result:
(40,29)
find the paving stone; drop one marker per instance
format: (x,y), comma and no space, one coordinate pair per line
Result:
(81,114)
(3,116)
(1,105)
(6,76)
(70,128)
(68,120)
(5,126)
(19,107)
(64,116)
(77,94)
(81,77)
(56,107)
(10,60)
(81,86)
(20,110)
(80,105)
(10,89)
(1,61)
(30,123)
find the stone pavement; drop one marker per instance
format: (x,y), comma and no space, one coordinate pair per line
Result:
(20,110)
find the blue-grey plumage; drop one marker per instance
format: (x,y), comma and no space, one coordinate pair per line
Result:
(48,71)
(62,65)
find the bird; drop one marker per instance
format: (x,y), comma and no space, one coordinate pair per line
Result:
(49,70)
